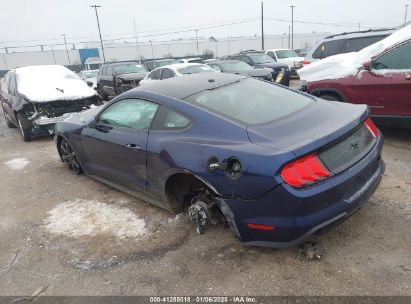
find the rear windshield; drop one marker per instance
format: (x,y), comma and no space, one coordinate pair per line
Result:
(195,69)
(286,54)
(236,66)
(129,68)
(251,101)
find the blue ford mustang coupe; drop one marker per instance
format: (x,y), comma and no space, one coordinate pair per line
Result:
(277,165)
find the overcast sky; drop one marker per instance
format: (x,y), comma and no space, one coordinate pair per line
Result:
(48,19)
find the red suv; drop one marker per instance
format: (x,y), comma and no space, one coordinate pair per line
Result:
(383,83)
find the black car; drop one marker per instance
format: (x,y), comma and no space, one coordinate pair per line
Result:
(116,78)
(280,71)
(241,68)
(34,98)
(154,64)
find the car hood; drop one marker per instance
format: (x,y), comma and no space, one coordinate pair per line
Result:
(255,72)
(309,128)
(272,65)
(291,59)
(132,76)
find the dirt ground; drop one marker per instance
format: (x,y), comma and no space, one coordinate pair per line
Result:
(75,236)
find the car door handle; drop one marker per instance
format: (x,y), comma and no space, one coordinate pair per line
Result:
(134,146)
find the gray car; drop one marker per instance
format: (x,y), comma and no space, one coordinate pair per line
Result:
(345,43)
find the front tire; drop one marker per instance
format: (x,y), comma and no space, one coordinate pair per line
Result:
(25,126)
(9,124)
(69,157)
(103,95)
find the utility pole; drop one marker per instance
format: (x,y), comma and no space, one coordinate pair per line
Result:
(138,50)
(99,30)
(152,49)
(198,52)
(262,25)
(228,45)
(54,57)
(289,36)
(65,43)
(292,26)
(406,11)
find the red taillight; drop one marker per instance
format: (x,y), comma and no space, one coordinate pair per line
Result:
(260,227)
(306,62)
(371,126)
(304,171)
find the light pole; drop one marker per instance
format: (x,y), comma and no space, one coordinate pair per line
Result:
(406,11)
(138,50)
(54,57)
(198,52)
(65,42)
(152,49)
(99,31)
(292,26)
(262,25)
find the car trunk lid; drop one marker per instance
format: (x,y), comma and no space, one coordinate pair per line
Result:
(310,129)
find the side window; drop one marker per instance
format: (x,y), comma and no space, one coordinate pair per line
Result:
(104,72)
(155,75)
(216,67)
(271,54)
(357,44)
(396,59)
(246,60)
(328,48)
(167,73)
(12,85)
(130,113)
(168,119)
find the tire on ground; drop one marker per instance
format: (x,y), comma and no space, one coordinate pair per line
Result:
(25,126)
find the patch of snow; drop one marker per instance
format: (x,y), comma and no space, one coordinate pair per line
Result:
(44,83)
(91,218)
(349,64)
(17,163)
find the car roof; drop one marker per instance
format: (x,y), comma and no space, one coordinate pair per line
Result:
(224,61)
(121,63)
(187,85)
(177,66)
(274,50)
(366,33)
(160,60)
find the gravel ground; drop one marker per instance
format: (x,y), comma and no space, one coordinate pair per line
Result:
(77,236)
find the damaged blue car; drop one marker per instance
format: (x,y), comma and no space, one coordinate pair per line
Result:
(276,164)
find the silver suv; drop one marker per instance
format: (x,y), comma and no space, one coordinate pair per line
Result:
(345,43)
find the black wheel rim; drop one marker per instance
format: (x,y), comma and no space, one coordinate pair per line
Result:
(69,157)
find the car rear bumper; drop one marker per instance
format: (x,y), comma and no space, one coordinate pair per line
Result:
(296,214)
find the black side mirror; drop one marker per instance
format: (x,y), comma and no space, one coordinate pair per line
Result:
(89,83)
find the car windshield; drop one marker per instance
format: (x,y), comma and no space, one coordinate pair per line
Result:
(90,74)
(129,68)
(165,62)
(285,54)
(195,69)
(251,101)
(260,58)
(236,66)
